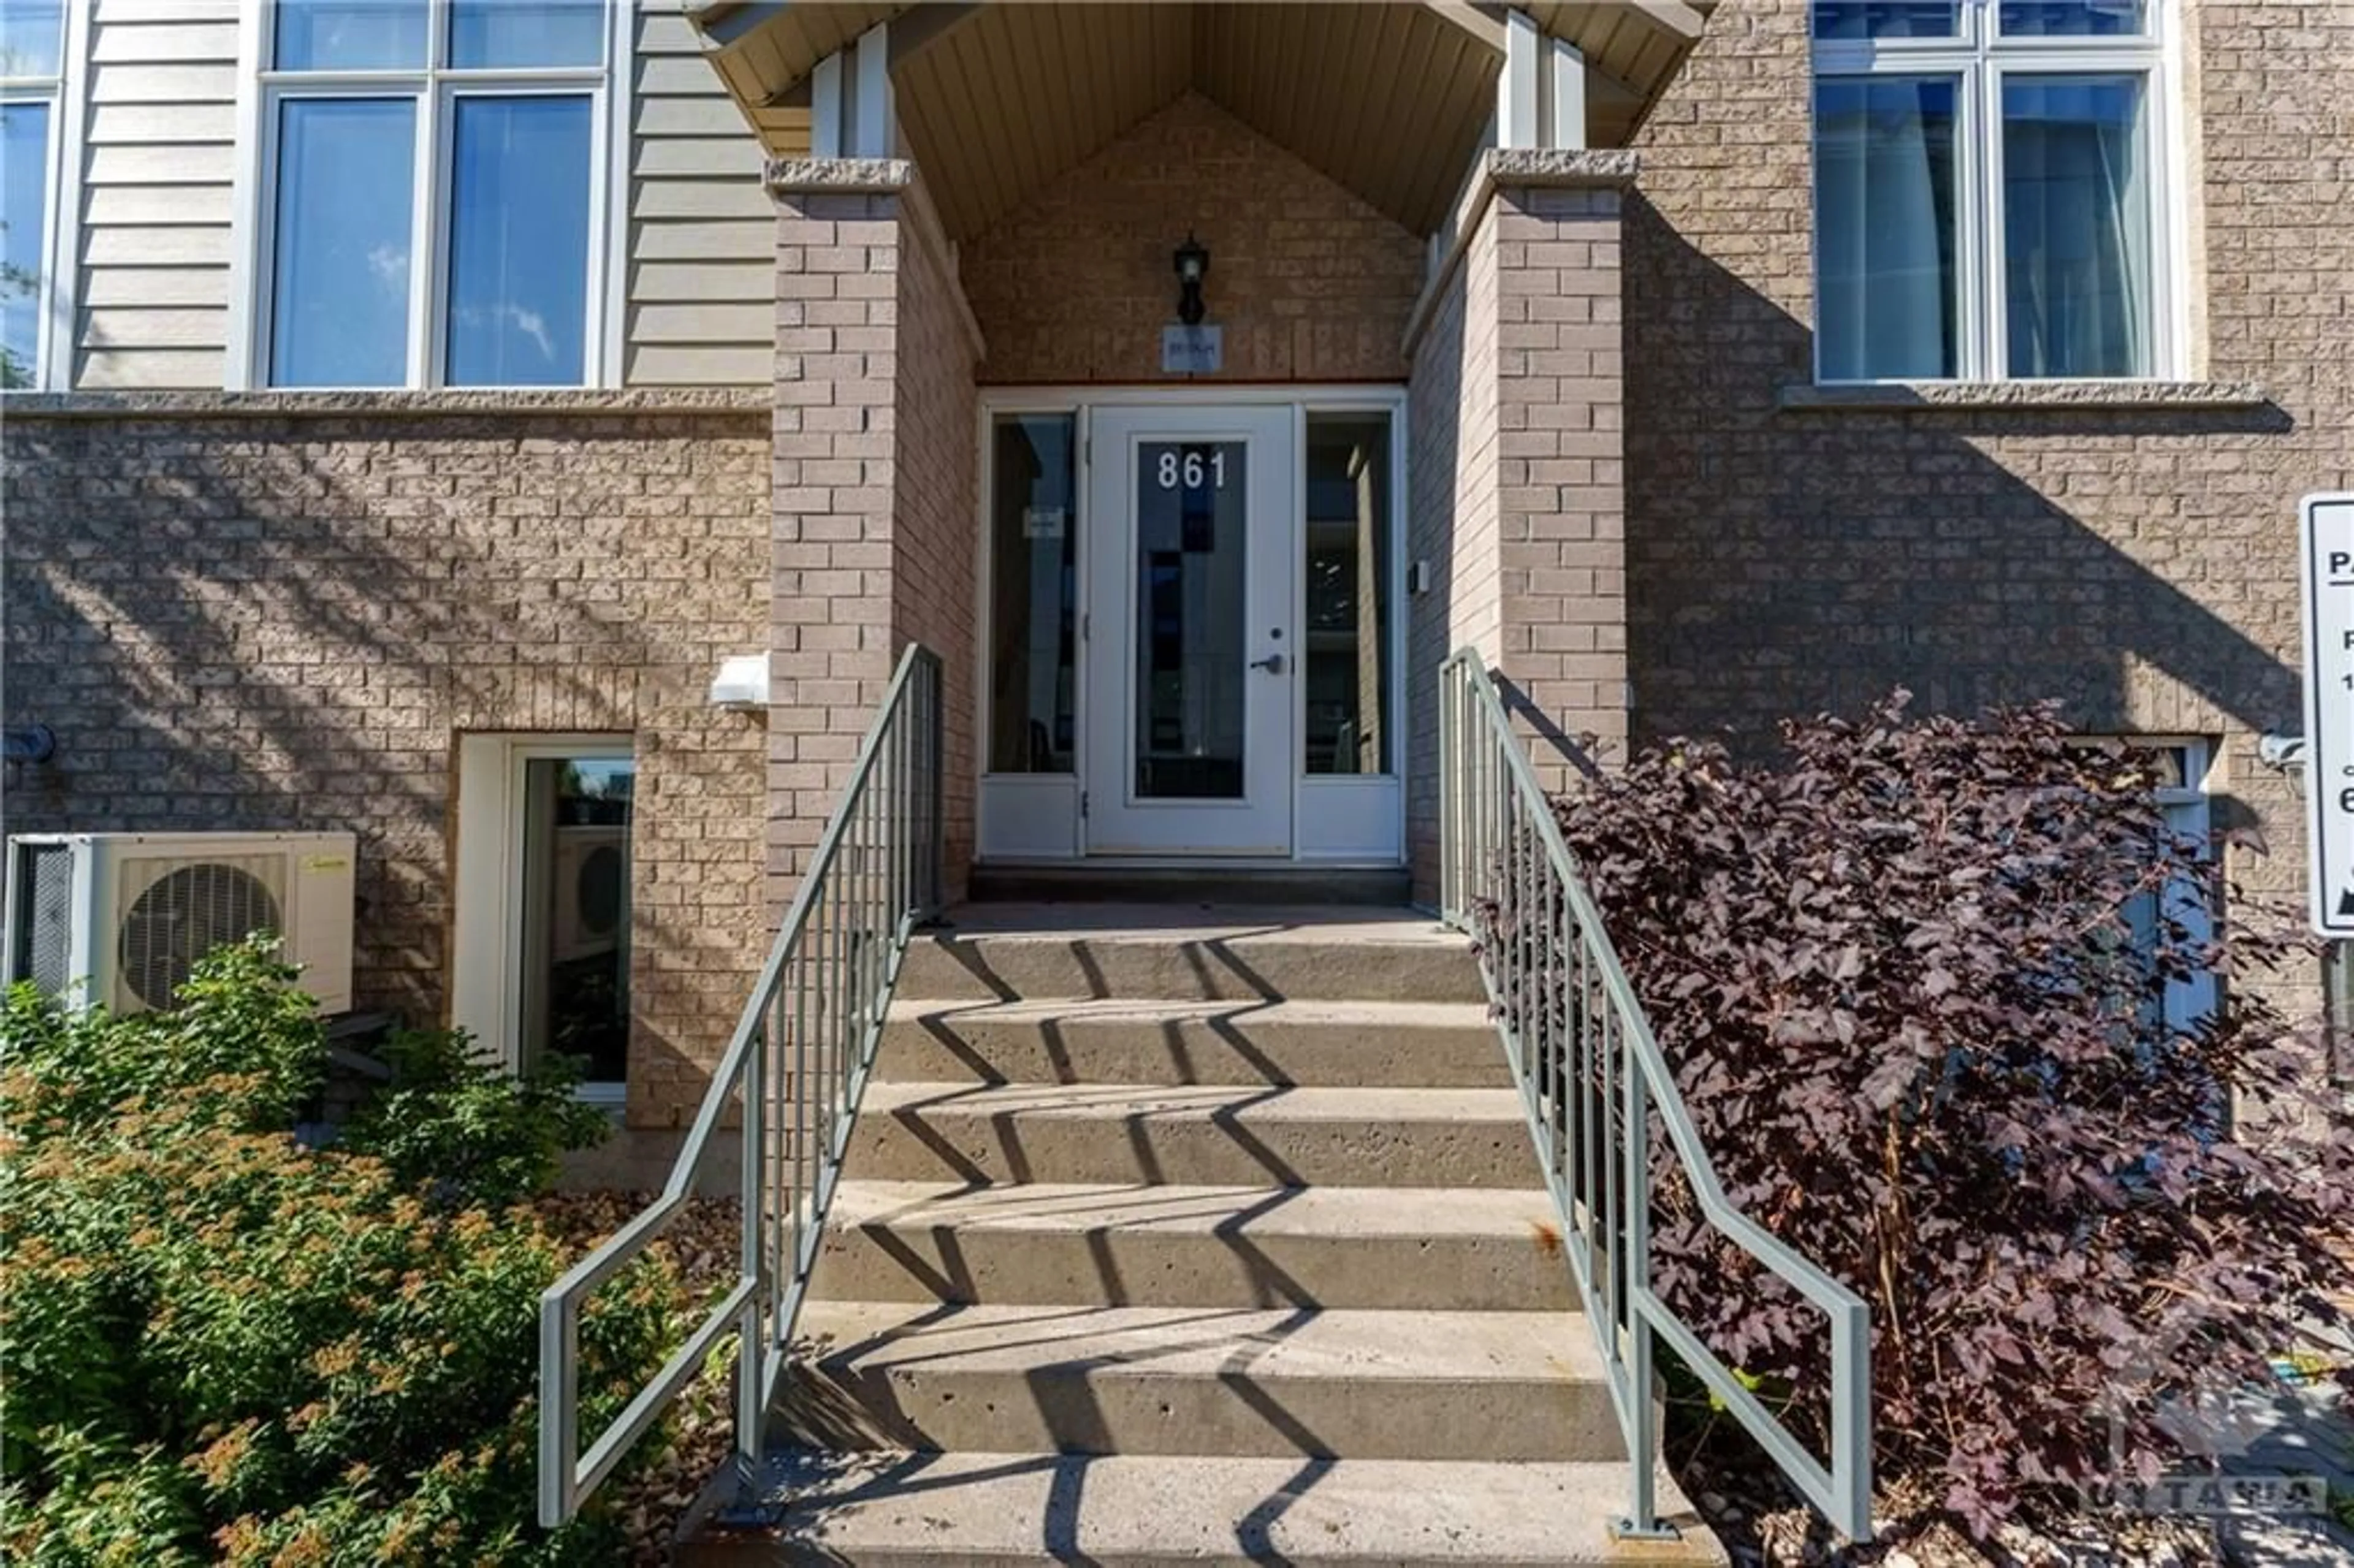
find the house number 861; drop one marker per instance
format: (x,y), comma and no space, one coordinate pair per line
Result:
(1193,470)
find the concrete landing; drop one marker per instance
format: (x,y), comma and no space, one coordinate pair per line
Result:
(1000,1509)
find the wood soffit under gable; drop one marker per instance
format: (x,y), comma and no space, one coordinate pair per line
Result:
(1389,100)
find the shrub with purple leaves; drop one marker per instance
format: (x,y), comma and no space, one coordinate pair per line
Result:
(1913,981)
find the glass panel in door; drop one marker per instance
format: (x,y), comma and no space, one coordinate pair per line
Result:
(1192,666)
(577,814)
(1191,576)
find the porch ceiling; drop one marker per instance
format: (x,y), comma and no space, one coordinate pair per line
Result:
(1389,100)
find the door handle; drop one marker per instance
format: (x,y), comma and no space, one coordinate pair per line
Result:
(1272,664)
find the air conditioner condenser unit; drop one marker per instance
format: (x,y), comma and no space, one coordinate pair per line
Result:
(117,919)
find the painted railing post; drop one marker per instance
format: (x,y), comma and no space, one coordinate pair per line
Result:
(879,870)
(1561,997)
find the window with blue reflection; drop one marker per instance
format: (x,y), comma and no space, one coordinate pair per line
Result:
(518,241)
(2076,227)
(1886,150)
(513,34)
(340,287)
(1887,18)
(2072,18)
(32,37)
(24,230)
(351,35)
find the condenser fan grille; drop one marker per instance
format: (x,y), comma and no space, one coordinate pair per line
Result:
(185,914)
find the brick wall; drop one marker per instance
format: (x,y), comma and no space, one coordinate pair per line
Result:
(1560,469)
(873,538)
(2136,562)
(935,536)
(830,644)
(1516,474)
(1309,283)
(276,623)
(1451,504)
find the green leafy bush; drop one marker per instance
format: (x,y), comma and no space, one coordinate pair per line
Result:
(467,1131)
(219,1345)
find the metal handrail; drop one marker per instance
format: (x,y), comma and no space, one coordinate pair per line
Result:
(1592,1078)
(796,1068)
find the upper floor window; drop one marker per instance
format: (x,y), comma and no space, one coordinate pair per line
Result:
(1990,184)
(431,212)
(32,76)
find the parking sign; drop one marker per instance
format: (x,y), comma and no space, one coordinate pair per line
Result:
(2329,576)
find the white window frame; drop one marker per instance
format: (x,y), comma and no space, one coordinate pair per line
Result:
(487,935)
(1338,820)
(1980,58)
(434,89)
(55,291)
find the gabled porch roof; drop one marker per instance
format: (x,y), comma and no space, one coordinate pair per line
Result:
(995,99)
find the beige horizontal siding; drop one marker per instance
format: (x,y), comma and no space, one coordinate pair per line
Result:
(152,286)
(161,206)
(109,370)
(702,280)
(158,161)
(702,364)
(152,124)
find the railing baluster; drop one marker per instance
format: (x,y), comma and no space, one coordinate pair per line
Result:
(1587,1085)
(792,1072)
(1584,1058)
(749,1392)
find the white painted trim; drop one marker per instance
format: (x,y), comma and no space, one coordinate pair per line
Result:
(874,130)
(1028,816)
(1566,97)
(1351,817)
(826,127)
(486,934)
(247,227)
(610,302)
(1517,107)
(60,343)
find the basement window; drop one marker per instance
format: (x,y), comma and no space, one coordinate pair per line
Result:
(2186,903)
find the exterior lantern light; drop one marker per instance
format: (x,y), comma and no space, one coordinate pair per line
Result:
(1192,260)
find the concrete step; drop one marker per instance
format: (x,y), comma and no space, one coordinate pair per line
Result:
(1205,1136)
(1001,1510)
(1191,885)
(1361,1044)
(1122,1246)
(1007,952)
(1204,1380)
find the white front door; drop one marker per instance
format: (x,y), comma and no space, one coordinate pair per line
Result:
(1192,646)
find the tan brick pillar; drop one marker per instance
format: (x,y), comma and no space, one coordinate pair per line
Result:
(873,489)
(1518,478)
(1561,462)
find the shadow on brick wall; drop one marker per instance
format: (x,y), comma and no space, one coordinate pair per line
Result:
(255,626)
(2136,565)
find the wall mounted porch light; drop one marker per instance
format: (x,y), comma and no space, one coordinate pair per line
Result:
(1192,260)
